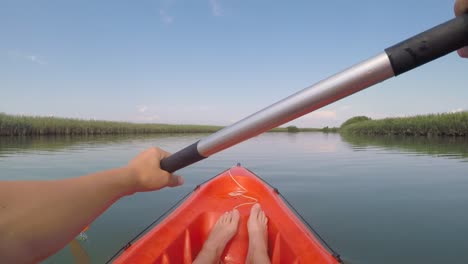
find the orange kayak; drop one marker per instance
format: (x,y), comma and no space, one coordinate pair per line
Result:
(180,237)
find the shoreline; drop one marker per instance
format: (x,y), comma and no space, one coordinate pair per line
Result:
(19,125)
(431,125)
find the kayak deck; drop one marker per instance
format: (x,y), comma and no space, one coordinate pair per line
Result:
(180,237)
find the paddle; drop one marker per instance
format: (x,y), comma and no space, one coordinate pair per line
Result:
(402,57)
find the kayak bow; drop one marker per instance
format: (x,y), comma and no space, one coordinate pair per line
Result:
(180,237)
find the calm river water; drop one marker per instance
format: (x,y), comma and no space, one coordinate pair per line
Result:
(374,200)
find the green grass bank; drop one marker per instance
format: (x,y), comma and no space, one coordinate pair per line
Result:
(447,124)
(19,125)
(15,125)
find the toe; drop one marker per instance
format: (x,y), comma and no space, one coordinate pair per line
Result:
(223,218)
(235,216)
(255,210)
(229,217)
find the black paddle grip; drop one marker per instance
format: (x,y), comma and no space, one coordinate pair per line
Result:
(429,45)
(181,159)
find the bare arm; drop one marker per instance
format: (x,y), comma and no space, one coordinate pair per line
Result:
(461,7)
(38,218)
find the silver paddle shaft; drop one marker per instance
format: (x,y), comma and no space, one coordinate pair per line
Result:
(345,83)
(397,59)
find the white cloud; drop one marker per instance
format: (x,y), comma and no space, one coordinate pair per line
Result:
(146,114)
(344,107)
(165,17)
(321,114)
(36,59)
(457,110)
(29,57)
(147,118)
(205,108)
(216,8)
(142,108)
(319,118)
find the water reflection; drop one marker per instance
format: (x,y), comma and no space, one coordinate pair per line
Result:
(14,145)
(450,147)
(385,187)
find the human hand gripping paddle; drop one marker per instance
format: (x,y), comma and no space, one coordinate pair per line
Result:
(461,7)
(395,60)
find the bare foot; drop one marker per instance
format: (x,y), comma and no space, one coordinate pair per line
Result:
(258,243)
(222,232)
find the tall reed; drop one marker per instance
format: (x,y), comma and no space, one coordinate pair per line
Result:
(447,124)
(18,125)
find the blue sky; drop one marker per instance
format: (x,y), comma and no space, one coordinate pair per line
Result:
(213,61)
